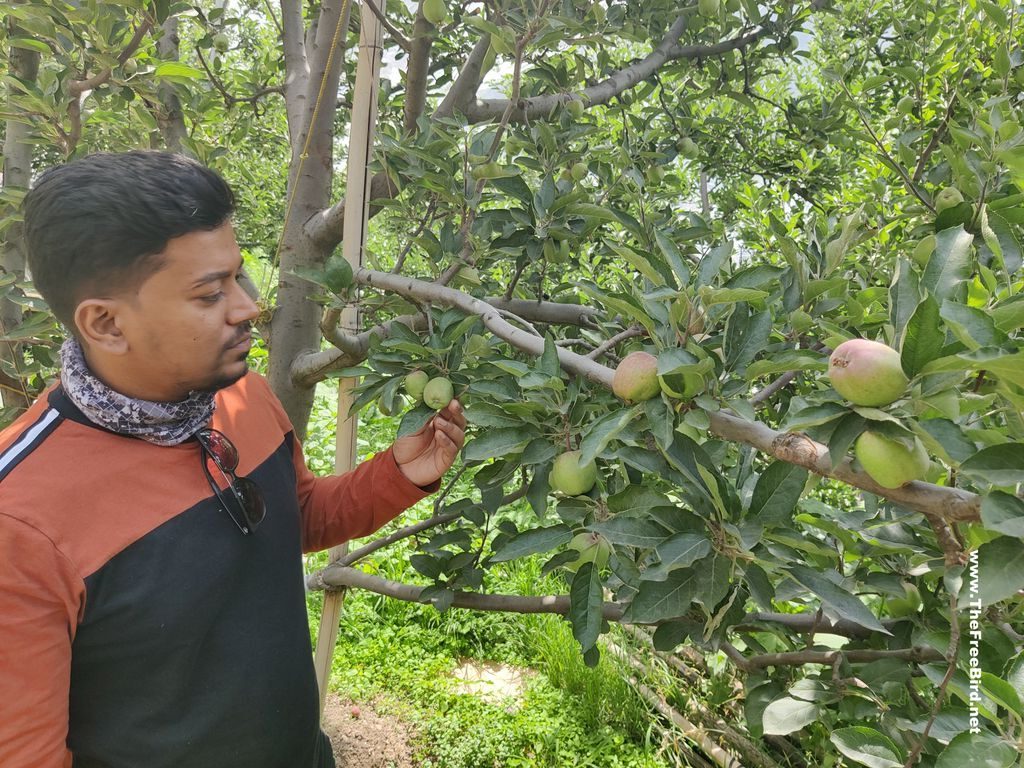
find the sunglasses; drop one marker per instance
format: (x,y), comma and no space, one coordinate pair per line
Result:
(248,509)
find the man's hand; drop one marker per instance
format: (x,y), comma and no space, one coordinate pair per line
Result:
(426,455)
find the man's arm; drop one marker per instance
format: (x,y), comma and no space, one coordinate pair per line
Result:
(40,592)
(342,507)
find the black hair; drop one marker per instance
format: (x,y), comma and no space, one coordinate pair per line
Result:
(97,226)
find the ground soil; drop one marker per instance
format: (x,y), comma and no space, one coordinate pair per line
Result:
(364,739)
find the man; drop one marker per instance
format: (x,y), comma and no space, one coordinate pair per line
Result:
(155,504)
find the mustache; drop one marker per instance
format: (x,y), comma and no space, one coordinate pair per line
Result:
(246,332)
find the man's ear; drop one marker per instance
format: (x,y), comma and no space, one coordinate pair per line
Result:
(98,324)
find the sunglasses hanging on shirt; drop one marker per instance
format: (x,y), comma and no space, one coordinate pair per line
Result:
(244,500)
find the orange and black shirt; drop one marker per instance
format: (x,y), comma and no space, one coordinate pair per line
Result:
(138,626)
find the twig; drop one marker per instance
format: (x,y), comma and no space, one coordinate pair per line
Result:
(629,333)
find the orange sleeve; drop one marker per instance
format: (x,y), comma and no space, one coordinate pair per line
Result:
(342,507)
(40,597)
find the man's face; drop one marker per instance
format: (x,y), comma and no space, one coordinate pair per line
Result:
(187,327)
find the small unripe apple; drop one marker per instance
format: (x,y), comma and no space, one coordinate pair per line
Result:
(947,198)
(220,42)
(574,108)
(414,384)
(130,67)
(477,346)
(491,170)
(435,11)
(905,105)
(687,147)
(636,377)
(867,372)
(923,250)
(708,7)
(568,476)
(592,547)
(902,607)
(889,462)
(578,171)
(438,393)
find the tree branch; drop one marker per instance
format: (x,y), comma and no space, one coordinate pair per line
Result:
(78,87)
(795,448)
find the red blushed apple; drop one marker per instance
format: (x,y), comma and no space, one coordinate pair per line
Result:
(867,372)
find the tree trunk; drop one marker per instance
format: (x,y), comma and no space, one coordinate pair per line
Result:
(169,116)
(295,328)
(17,170)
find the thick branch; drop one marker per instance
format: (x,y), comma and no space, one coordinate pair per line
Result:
(417,70)
(601,93)
(468,82)
(918,654)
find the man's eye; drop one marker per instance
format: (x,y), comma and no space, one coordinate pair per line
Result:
(213,297)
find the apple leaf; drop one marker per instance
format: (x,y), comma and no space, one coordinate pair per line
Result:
(585,606)
(996,465)
(950,264)
(786,715)
(533,541)
(978,750)
(923,338)
(679,551)
(777,492)
(1000,573)
(1003,512)
(669,599)
(847,605)
(867,747)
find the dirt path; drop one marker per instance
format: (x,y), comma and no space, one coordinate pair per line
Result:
(364,739)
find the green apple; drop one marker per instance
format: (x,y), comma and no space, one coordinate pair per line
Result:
(908,605)
(220,42)
(414,384)
(947,198)
(438,393)
(923,250)
(592,548)
(889,462)
(435,11)
(708,7)
(579,171)
(568,476)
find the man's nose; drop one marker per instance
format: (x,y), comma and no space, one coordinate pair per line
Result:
(245,310)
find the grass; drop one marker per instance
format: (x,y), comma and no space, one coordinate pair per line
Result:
(401,656)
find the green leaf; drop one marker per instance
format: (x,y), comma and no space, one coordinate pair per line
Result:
(997,464)
(924,337)
(630,532)
(847,605)
(176,70)
(970,325)
(712,296)
(604,430)
(950,263)
(786,715)
(669,599)
(712,262)
(790,360)
(867,747)
(497,443)
(1003,512)
(29,44)
(1002,693)
(977,750)
(679,551)
(533,541)
(1000,573)
(777,492)
(414,420)
(673,257)
(586,605)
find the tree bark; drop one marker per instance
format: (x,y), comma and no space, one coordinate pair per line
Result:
(170,117)
(295,328)
(17,175)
